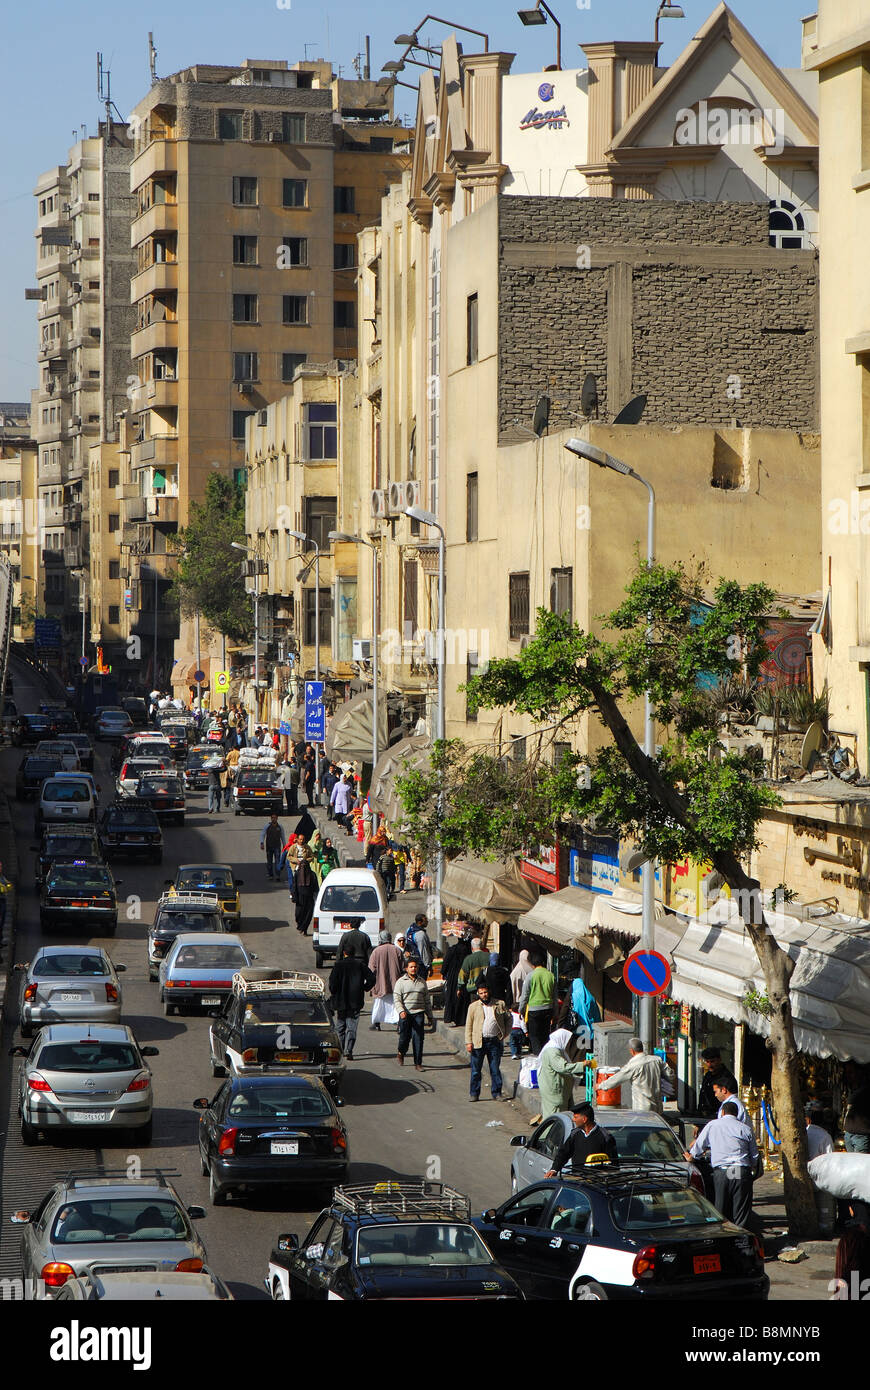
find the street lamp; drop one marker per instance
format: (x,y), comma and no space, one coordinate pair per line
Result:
(539,16)
(349,539)
(237,545)
(81,572)
(666,10)
(584,450)
(309,540)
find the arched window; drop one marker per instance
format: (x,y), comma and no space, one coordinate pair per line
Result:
(786,226)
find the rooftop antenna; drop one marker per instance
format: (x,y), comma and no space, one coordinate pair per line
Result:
(152,56)
(104,92)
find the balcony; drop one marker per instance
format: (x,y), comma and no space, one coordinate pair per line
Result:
(135,509)
(163,275)
(48,473)
(160,217)
(161,450)
(160,157)
(72,514)
(162,509)
(124,491)
(51,559)
(52,516)
(161,393)
(72,557)
(157,335)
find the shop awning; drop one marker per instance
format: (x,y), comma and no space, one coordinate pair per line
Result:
(562,918)
(349,734)
(491,892)
(620,914)
(383,796)
(715,963)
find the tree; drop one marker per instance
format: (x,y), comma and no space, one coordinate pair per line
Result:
(692,799)
(207,579)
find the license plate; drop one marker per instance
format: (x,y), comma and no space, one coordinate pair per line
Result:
(211,999)
(707,1264)
(345,926)
(291,1057)
(136,839)
(259,793)
(71,998)
(78,904)
(90,1117)
(284,1148)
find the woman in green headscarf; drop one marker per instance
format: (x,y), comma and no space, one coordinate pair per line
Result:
(326,858)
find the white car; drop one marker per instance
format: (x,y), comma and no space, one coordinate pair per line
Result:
(66,798)
(135,768)
(347,898)
(58,748)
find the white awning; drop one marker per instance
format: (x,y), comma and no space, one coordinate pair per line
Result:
(383,796)
(715,963)
(621,914)
(562,918)
(492,892)
(349,733)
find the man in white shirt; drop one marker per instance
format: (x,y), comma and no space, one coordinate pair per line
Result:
(644,1071)
(722,1095)
(733,1156)
(818,1140)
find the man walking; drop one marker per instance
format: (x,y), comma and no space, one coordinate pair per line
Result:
(357,942)
(214,786)
(348,981)
(411,997)
(733,1157)
(471,970)
(288,775)
(644,1071)
(536,1001)
(585,1139)
(341,801)
(486,1027)
(417,938)
(272,839)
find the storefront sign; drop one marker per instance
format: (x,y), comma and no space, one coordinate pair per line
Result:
(544,869)
(595,864)
(544,120)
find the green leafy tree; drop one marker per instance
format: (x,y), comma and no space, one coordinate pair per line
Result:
(693,799)
(207,579)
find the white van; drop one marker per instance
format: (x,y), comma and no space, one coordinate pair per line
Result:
(347,898)
(66,798)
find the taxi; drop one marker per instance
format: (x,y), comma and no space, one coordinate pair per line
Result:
(211,878)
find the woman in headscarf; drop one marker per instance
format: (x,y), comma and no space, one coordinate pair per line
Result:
(522,968)
(327,858)
(315,845)
(304,890)
(496,979)
(557,1072)
(386,964)
(450,967)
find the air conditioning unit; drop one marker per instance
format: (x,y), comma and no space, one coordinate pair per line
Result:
(361,648)
(261,417)
(245,388)
(524,641)
(411,492)
(379,502)
(274,137)
(394,500)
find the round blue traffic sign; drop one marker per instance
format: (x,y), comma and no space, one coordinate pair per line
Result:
(84,661)
(199,677)
(647,972)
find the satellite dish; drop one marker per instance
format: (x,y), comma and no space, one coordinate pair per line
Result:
(631,413)
(813,740)
(589,395)
(541,418)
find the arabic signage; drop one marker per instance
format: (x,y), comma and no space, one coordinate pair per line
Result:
(545,869)
(594,864)
(314,712)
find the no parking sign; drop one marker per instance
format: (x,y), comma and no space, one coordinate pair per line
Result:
(647,972)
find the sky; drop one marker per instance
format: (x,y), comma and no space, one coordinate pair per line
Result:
(49,87)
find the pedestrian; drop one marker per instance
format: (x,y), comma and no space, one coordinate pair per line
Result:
(327,858)
(376,847)
(315,845)
(357,942)
(714,1070)
(5,887)
(451,964)
(498,980)
(328,781)
(518,1035)
(387,869)
(415,868)
(400,859)
(819,1142)
(417,939)
(584,1012)
(348,981)
(272,838)
(852,1263)
(386,964)
(411,997)
(232,762)
(643,1071)
(303,892)
(536,1001)
(733,1158)
(287,864)
(557,1070)
(486,1027)
(226,782)
(214,786)
(288,776)
(340,800)
(722,1094)
(470,971)
(519,974)
(586,1140)
(856,1123)
(276,740)
(308,772)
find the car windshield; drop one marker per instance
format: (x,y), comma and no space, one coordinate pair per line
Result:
(177,922)
(72,879)
(349,897)
(115,716)
(124,1219)
(203,878)
(682,1207)
(646,1141)
(65,791)
(69,963)
(268,1009)
(263,778)
(421,1243)
(89,1055)
(69,846)
(211,958)
(278,1103)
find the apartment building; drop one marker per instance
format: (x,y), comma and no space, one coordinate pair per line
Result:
(250,186)
(83,272)
(19,516)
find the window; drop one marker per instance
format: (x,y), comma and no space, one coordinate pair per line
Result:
(239,418)
(295,308)
(343,199)
(289,362)
(518,604)
(114,521)
(344,313)
(319,516)
(114,613)
(562,593)
(527,1210)
(295,193)
(518,748)
(471,669)
(293,128)
(325,616)
(471,507)
(229,125)
(244,308)
(93,197)
(571,1212)
(114,569)
(245,366)
(114,477)
(410,600)
(344,255)
(293,251)
(471,329)
(787,231)
(322,431)
(244,191)
(244,250)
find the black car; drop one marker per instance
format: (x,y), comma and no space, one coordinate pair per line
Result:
(137,708)
(31,729)
(181,912)
(31,774)
(257,789)
(624,1233)
(270,1131)
(393,1240)
(83,746)
(195,774)
(276,1021)
(64,844)
(76,893)
(176,737)
(164,793)
(131,827)
(63,721)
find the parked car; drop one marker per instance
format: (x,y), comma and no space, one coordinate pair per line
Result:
(100,1080)
(639,1231)
(68,984)
(130,827)
(179,913)
(112,724)
(84,748)
(276,1021)
(164,793)
(31,728)
(390,1240)
(73,894)
(32,772)
(106,1225)
(134,769)
(173,1286)
(195,774)
(257,789)
(347,898)
(65,844)
(67,799)
(640,1135)
(137,708)
(198,972)
(270,1131)
(211,878)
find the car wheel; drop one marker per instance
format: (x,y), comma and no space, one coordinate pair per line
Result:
(152,977)
(26,1030)
(145,1133)
(203,1166)
(590,1292)
(44,922)
(217,1194)
(29,1135)
(168,1009)
(278,1293)
(318,959)
(112,927)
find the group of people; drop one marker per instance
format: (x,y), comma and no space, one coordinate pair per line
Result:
(395,975)
(305,861)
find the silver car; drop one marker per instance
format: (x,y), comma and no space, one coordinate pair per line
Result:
(198,970)
(68,984)
(107,1225)
(85,1075)
(135,1287)
(641,1136)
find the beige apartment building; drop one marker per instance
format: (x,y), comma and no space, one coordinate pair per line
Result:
(837,47)
(19,519)
(250,186)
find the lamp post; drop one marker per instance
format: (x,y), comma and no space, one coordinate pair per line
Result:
(309,540)
(539,16)
(255,594)
(350,539)
(583,449)
(666,10)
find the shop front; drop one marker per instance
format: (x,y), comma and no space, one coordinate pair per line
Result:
(491,895)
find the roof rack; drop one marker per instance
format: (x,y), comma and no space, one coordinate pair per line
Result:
(260,979)
(630,1174)
(71,1176)
(188,900)
(419,1198)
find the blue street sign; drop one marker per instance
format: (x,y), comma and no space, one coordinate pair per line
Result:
(84,661)
(315,721)
(199,677)
(47,632)
(647,972)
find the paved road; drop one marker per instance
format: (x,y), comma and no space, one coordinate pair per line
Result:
(400,1122)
